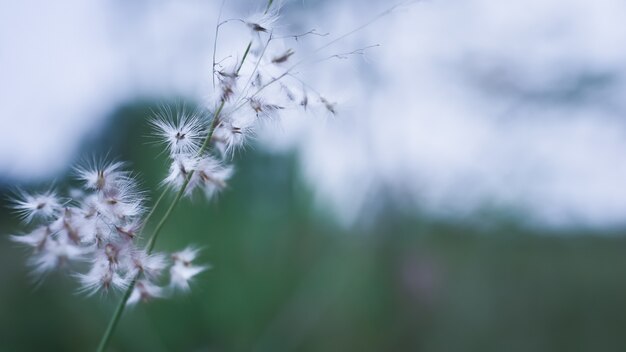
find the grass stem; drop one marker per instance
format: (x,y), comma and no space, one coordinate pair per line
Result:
(155,233)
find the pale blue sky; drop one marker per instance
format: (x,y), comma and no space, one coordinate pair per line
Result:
(517,104)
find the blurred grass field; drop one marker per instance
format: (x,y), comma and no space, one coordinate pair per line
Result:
(286,278)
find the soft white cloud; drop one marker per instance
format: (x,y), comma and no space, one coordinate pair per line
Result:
(517,104)
(514,105)
(66,65)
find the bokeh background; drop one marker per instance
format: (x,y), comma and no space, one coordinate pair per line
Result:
(468,196)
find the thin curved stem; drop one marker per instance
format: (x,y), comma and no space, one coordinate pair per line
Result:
(183,188)
(156,204)
(152,241)
(116,317)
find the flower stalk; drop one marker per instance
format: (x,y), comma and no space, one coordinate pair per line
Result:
(152,241)
(98,226)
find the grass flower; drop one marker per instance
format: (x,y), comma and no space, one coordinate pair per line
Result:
(101,176)
(31,206)
(182,133)
(98,227)
(231,135)
(263,21)
(183,269)
(145,291)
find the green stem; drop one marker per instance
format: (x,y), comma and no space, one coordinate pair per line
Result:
(245,54)
(116,317)
(152,241)
(167,214)
(247,51)
(183,188)
(156,204)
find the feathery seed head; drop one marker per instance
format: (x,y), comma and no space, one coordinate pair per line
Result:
(263,109)
(31,206)
(145,291)
(181,132)
(102,176)
(183,269)
(123,201)
(35,239)
(228,83)
(102,276)
(180,168)
(151,265)
(213,176)
(263,22)
(102,222)
(53,254)
(282,58)
(231,134)
(129,230)
(181,275)
(186,256)
(330,106)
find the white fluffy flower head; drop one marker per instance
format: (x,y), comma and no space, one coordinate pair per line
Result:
(263,21)
(145,291)
(98,228)
(102,176)
(183,270)
(31,206)
(181,132)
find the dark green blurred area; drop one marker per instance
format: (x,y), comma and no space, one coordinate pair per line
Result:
(285,278)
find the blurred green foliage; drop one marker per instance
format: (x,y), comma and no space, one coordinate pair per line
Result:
(285,278)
